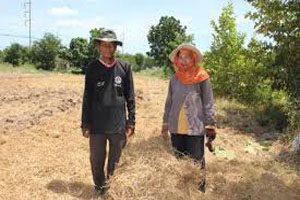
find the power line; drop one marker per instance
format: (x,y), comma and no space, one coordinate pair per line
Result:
(16,36)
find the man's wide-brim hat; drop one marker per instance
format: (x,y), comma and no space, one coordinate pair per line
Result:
(108,36)
(188,46)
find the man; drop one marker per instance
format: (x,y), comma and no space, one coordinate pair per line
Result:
(108,91)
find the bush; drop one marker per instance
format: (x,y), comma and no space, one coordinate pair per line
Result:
(15,54)
(1,56)
(46,51)
(276,110)
(274,115)
(61,65)
(139,61)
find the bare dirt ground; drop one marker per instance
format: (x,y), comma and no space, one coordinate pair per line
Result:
(44,156)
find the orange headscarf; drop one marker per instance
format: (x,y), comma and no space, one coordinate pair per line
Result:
(191,75)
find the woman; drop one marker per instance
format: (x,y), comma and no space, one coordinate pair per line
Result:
(189,109)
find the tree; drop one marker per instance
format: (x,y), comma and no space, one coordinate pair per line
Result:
(65,54)
(126,57)
(79,52)
(164,37)
(233,74)
(46,51)
(92,51)
(63,59)
(1,56)
(149,62)
(26,57)
(279,20)
(15,54)
(139,61)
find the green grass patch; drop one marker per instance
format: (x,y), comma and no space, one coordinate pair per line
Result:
(155,71)
(31,69)
(25,68)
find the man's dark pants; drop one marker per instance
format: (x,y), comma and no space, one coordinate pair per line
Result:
(98,155)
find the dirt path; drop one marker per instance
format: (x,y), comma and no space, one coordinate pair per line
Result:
(44,156)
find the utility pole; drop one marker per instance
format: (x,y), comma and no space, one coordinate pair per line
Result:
(27,10)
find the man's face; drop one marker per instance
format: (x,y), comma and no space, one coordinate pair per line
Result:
(107,49)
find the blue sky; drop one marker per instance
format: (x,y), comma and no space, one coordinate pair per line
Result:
(131,19)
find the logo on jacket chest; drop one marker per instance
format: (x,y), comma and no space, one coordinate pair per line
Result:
(118,81)
(100,84)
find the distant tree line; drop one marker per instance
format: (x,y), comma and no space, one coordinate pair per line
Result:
(48,53)
(262,74)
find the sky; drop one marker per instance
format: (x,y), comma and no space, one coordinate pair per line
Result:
(130,19)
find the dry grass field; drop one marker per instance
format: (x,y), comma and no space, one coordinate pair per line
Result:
(44,156)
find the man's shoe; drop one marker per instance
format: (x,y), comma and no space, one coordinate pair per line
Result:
(101,190)
(202,186)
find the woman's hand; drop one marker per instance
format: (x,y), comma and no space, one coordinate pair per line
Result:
(211,136)
(210,133)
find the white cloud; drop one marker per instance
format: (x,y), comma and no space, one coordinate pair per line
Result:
(63,11)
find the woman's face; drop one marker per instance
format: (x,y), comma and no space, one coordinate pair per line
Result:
(185,58)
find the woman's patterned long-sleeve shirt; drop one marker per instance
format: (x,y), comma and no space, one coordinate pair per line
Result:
(189,108)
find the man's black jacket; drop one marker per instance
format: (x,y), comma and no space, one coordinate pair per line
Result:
(107,91)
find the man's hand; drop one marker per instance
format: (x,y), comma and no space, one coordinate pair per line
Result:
(130,130)
(86,132)
(164,131)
